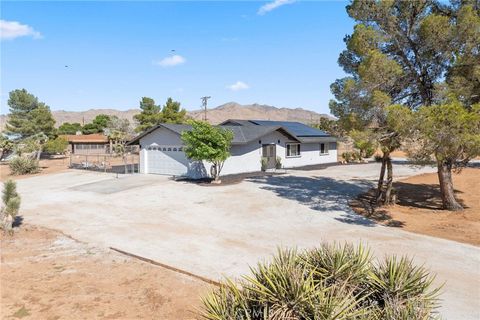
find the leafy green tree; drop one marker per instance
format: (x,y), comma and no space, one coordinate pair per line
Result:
(11,205)
(90,128)
(208,143)
(171,112)
(463,78)
(149,116)
(333,127)
(401,52)
(69,128)
(101,121)
(364,141)
(447,134)
(56,146)
(28,116)
(98,124)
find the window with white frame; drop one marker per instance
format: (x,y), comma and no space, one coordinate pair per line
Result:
(293,149)
(323,148)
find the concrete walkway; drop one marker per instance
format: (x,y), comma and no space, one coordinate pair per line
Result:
(217,231)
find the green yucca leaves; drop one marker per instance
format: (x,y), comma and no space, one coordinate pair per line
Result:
(331,282)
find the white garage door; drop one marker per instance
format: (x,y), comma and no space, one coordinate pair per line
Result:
(169,160)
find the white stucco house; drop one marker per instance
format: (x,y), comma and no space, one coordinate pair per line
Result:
(294,144)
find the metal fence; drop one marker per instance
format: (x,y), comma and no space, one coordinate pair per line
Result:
(129,163)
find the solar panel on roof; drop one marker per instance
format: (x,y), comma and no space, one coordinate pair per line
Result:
(297,128)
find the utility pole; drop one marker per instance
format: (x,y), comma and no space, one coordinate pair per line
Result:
(204,105)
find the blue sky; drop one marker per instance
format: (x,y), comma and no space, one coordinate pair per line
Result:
(281,53)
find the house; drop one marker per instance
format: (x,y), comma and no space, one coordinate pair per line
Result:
(88,144)
(294,144)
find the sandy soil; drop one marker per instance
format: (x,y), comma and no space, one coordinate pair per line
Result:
(47,166)
(419,207)
(46,275)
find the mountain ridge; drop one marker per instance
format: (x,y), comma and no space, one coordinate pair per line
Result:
(229,110)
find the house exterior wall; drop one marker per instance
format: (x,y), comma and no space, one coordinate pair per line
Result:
(244,158)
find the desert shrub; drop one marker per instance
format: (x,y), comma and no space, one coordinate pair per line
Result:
(356,156)
(278,163)
(56,146)
(378,158)
(263,163)
(347,156)
(368,152)
(23,165)
(10,205)
(329,282)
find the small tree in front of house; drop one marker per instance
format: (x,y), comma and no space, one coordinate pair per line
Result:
(10,205)
(118,131)
(208,143)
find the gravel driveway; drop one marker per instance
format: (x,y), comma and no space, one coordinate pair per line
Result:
(219,231)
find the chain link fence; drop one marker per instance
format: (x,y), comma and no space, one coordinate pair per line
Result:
(128,163)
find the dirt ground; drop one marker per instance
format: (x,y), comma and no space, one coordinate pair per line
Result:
(47,275)
(419,207)
(47,166)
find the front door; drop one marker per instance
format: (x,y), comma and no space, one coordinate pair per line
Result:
(270,154)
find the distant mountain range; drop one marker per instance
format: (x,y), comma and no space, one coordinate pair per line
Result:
(230,110)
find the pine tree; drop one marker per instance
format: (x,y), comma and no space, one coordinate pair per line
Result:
(28,116)
(171,112)
(149,116)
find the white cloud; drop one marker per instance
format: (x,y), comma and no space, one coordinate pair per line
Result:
(239,85)
(171,61)
(272,6)
(13,29)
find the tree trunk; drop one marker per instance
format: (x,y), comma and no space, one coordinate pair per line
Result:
(446,187)
(388,190)
(380,180)
(216,175)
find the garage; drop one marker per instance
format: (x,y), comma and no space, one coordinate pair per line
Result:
(166,159)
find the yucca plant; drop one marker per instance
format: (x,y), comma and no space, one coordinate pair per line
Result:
(339,264)
(403,290)
(331,282)
(284,286)
(11,205)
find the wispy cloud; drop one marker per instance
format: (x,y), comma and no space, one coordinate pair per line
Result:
(239,85)
(272,6)
(171,61)
(13,29)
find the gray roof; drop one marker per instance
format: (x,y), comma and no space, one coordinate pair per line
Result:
(241,134)
(245,131)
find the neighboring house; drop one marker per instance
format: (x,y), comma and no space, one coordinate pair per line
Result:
(88,143)
(293,143)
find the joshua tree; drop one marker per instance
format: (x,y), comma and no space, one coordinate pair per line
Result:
(11,205)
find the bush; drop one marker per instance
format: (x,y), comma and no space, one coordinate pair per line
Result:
(368,152)
(347,156)
(329,282)
(378,158)
(278,163)
(263,163)
(56,146)
(23,165)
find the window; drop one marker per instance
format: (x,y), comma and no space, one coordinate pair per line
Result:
(323,148)
(293,149)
